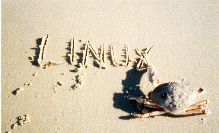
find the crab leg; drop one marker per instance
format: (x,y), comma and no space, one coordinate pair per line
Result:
(152,75)
(147,103)
(197,110)
(148,114)
(199,107)
(202,103)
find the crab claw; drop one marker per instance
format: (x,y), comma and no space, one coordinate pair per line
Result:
(199,107)
(152,76)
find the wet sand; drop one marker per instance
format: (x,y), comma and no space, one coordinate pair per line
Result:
(184,36)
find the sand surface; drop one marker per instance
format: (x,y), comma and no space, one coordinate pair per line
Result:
(184,36)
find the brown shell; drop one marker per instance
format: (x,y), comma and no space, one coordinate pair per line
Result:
(174,97)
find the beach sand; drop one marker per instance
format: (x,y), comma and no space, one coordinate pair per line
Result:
(184,36)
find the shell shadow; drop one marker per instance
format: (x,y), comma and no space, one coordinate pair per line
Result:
(130,89)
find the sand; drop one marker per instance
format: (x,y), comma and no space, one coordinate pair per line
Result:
(184,36)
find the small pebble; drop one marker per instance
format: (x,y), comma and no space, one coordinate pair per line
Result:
(60,83)
(18,90)
(27,119)
(78,69)
(183,79)
(21,122)
(14,126)
(76,86)
(21,89)
(203,120)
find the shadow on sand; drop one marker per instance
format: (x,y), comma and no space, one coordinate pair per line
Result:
(130,89)
(33,60)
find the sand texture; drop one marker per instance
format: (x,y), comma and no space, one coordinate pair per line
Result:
(185,41)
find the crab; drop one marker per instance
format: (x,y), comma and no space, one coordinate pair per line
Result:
(172,98)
